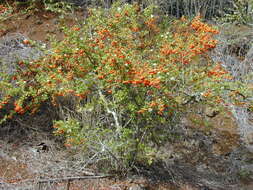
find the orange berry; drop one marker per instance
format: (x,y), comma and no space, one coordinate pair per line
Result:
(26,42)
(76,28)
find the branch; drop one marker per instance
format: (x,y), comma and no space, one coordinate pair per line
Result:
(111,112)
(63,179)
(72,178)
(193,98)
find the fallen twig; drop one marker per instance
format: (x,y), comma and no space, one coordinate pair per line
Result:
(61,179)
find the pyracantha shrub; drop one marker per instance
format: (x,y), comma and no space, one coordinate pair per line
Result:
(129,73)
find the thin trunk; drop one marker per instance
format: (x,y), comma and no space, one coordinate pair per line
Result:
(188,7)
(205,8)
(192,7)
(171,7)
(221,8)
(196,6)
(178,10)
(185,7)
(213,8)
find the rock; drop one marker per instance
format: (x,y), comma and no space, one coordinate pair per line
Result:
(136,187)
(249,138)
(13,49)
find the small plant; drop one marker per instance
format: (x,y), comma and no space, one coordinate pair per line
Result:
(59,7)
(241,13)
(245,174)
(5,12)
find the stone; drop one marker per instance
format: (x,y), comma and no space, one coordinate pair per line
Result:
(249,138)
(137,187)
(13,49)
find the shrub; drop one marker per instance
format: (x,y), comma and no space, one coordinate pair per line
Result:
(56,6)
(240,13)
(121,82)
(5,12)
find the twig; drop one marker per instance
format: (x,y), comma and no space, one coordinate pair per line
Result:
(68,185)
(72,178)
(111,112)
(63,179)
(108,150)
(94,156)
(25,125)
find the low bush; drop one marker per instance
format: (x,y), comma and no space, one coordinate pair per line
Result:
(55,6)
(121,82)
(240,13)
